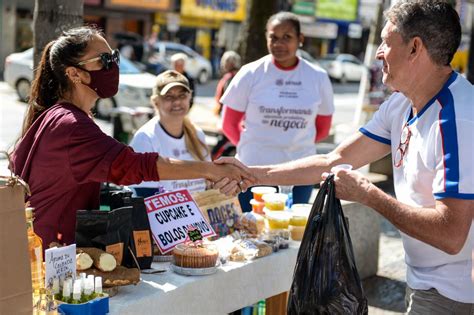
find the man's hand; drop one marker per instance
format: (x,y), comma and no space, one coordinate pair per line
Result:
(350,185)
(233,186)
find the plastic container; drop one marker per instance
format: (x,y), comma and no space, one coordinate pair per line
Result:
(275,202)
(296,232)
(259,191)
(97,306)
(299,214)
(257,206)
(277,220)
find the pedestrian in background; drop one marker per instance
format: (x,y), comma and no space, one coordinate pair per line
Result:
(64,156)
(178,63)
(171,133)
(427,126)
(229,64)
(284,102)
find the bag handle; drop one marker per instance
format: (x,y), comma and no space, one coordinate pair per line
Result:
(13,179)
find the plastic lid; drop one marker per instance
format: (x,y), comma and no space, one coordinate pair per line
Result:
(301,209)
(263,189)
(277,215)
(275,197)
(256,202)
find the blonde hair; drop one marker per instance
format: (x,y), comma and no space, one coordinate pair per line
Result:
(195,146)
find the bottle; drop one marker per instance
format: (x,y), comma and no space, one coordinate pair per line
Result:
(46,305)
(287,190)
(76,292)
(98,286)
(35,248)
(66,292)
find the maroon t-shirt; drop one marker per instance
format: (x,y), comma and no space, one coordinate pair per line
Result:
(64,157)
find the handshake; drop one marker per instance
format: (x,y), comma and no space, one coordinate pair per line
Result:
(231,176)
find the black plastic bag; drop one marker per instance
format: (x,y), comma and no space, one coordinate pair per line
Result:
(326,280)
(107,230)
(140,237)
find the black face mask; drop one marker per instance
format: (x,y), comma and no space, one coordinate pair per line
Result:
(105,82)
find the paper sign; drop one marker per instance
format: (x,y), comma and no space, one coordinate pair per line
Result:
(170,214)
(142,243)
(115,250)
(60,263)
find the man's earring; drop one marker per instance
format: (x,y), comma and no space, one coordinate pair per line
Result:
(300,45)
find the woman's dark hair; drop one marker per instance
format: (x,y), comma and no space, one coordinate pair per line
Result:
(286,17)
(50,82)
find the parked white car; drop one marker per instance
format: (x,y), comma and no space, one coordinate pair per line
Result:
(196,66)
(135,86)
(343,67)
(18,72)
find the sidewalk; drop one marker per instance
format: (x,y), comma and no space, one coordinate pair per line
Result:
(386,290)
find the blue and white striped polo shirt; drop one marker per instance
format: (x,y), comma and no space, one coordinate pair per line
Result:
(439,163)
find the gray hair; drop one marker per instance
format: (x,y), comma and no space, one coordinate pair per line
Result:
(231,57)
(177,57)
(435,22)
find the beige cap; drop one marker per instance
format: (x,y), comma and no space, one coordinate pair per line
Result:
(169,79)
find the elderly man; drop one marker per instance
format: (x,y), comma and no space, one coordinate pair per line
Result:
(178,63)
(427,126)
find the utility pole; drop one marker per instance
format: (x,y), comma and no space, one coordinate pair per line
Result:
(372,44)
(50,18)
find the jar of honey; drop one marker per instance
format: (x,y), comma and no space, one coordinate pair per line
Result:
(259,191)
(275,202)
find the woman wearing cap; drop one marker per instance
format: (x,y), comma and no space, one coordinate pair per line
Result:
(63,155)
(171,133)
(284,102)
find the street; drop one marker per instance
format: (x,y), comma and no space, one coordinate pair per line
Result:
(12,112)
(385,291)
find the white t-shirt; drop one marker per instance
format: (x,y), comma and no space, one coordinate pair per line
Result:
(151,137)
(280,109)
(439,164)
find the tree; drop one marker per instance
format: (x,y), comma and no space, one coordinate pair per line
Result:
(252,43)
(50,18)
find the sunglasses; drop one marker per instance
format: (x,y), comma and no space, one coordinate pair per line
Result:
(105,58)
(403,146)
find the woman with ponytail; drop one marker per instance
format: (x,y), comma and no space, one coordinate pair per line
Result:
(170,133)
(62,153)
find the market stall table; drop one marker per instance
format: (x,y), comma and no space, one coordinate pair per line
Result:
(234,286)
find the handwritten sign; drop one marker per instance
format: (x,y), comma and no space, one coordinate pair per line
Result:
(60,263)
(194,235)
(170,214)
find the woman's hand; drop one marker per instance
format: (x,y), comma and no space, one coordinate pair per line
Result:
(232,185)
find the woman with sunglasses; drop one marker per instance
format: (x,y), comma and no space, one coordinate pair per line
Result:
(171,133)
(62,153)
(284,102)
